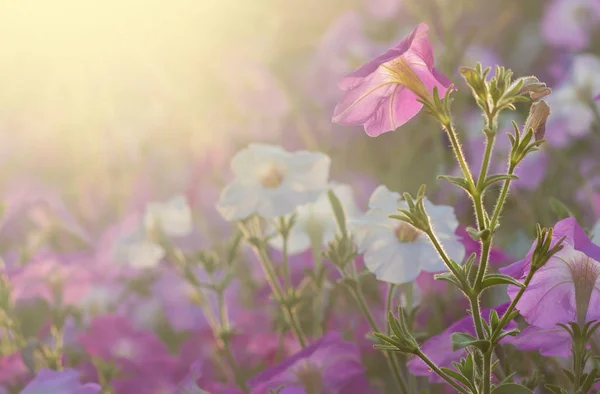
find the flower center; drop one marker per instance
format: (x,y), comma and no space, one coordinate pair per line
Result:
(584,272)
(399,71)
(407,233)
(272,176)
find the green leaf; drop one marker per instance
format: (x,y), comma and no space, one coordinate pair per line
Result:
(461,340)
(449,277)
(556,389)
(560,209)
(458,181)
(477,235)
(490,180)
(513,333)
(338,211)
(569,375)
(511,388)
(589,380)
(499,279)
(452,373)
(493,318)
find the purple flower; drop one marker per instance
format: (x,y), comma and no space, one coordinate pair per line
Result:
(329,366)
(562,290)
(140,356)
(12,369)
(439,347)
(382,95)
(568,23)
(574,235)
(48,271)
(59,382)
(548,341)
(29,205)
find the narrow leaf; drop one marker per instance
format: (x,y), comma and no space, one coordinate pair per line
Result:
(499,279)
(511,388)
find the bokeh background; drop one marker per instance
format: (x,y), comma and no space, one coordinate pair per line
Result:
(98,97)
(106,106)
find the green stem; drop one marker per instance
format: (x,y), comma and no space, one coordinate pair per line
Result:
(224,324)
(460,157)
(487,372)
(391,361)
(476,313)
(438,247)
(286,264)
(271,276)
(504,319)
(485,164)
(441,373)
(501,199)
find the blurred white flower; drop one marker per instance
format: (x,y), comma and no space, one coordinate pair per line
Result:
(572,103)
(272,182)
(395,251)
(144,254)
(173,217)
(318,219)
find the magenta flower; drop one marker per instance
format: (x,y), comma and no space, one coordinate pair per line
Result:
(47,271)
(59,382)
(329,365)
(382,94)
(439,347)
(142,359)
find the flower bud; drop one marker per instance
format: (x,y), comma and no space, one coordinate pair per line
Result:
(538,114)
(534,88)
(543,252)
(400,340)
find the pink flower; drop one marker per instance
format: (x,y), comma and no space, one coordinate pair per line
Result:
(143,360)
(382,94)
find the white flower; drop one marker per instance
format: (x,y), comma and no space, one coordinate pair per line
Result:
(143,254)
(395,251)
(572,113)
(318,219)
(173,217)
(272,182)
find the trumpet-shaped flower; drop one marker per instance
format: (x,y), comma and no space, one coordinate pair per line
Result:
(395,251)
(562,290)
(382,95)
(329,365)
(318,220)
(272,182)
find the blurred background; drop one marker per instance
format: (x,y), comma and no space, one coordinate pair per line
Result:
(112,104)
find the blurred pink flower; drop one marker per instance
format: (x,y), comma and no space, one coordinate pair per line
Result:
(143,360)
(569,23)
(48,272)
(382,94)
